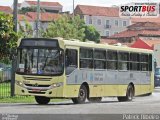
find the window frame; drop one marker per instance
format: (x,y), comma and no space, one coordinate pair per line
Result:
(99,22)
(116,23)
(115,60)
(100,59)
(88,59)
(124,25)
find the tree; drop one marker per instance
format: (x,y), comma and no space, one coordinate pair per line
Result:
(71,28)
(25,31)
(24,10)
(8,38)
(91,34)
(66,27)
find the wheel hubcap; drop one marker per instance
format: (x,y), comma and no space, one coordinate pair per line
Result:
(130,94)
(82,94)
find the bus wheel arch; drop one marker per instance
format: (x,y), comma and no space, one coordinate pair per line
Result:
(130,92)
(83,94)
(87,87)
(132,87)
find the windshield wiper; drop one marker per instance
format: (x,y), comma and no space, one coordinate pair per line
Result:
(45,62)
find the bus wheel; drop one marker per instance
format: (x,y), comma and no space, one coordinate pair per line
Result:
(95,99)
(129,95)
(81,96)
(42,100)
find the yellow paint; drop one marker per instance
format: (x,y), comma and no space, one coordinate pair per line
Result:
(69,91)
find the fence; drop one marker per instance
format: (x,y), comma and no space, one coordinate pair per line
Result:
(5,80)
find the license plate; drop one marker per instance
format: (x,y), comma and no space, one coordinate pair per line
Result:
(36,90)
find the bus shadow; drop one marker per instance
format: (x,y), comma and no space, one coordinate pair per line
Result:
(70,103)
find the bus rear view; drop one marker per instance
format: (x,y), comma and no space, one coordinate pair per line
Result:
(40,68)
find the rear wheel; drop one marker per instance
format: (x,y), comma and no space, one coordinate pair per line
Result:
(81,96)
(95,99)
(42,100)
(129,95)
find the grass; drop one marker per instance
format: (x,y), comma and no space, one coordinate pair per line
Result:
(5,89)
(5,96)
(25,99)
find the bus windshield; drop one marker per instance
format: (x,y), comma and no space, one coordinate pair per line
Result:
(40,61)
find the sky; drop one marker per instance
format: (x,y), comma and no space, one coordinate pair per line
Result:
(67,4)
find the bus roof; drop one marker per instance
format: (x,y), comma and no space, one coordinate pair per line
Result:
(104,46)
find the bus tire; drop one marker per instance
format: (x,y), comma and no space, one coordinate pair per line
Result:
(82,95)
(148,94)
(95,99)
(42,100)
(129,95)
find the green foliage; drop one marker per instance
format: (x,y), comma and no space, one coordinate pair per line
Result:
(91,34)
(71,28)
(66,27)
(8,38)
(24,10)
(25,31)
(5,60)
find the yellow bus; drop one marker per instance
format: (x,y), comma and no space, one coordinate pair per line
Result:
(57,68)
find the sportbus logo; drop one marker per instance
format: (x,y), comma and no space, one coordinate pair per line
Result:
(139,10)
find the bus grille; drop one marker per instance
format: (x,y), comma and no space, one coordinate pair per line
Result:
(37,79)
(36,92)
(32,85)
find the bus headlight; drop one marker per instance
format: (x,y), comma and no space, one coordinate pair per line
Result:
(57,85)
(19,83)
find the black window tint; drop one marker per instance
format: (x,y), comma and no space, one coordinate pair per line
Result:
(111,55)
(134,57)
(134,66)
(123,61)
(123,56)
(86,53)
(86,63)
(144,59)
(86,58)
(99,59)
(123,65)
(112,62)
(99,64)
(150,62)
(112,65)
(99,54)
(135,61)
(71,57)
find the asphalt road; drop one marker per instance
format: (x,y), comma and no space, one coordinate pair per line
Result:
(109,105)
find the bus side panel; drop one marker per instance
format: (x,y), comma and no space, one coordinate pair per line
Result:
(110,90)
(71,91)
(95,90)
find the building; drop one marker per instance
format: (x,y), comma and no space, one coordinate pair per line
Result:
(31,17)
(136,20)
(141,30)
(105,19)
(152,45)
(6,9)
(145,44)
(54,7)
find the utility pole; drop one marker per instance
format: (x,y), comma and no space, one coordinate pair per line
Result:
(73,8)
(38,18)
(12,50)
(15,15)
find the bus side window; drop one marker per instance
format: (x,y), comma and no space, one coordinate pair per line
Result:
(70,60)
